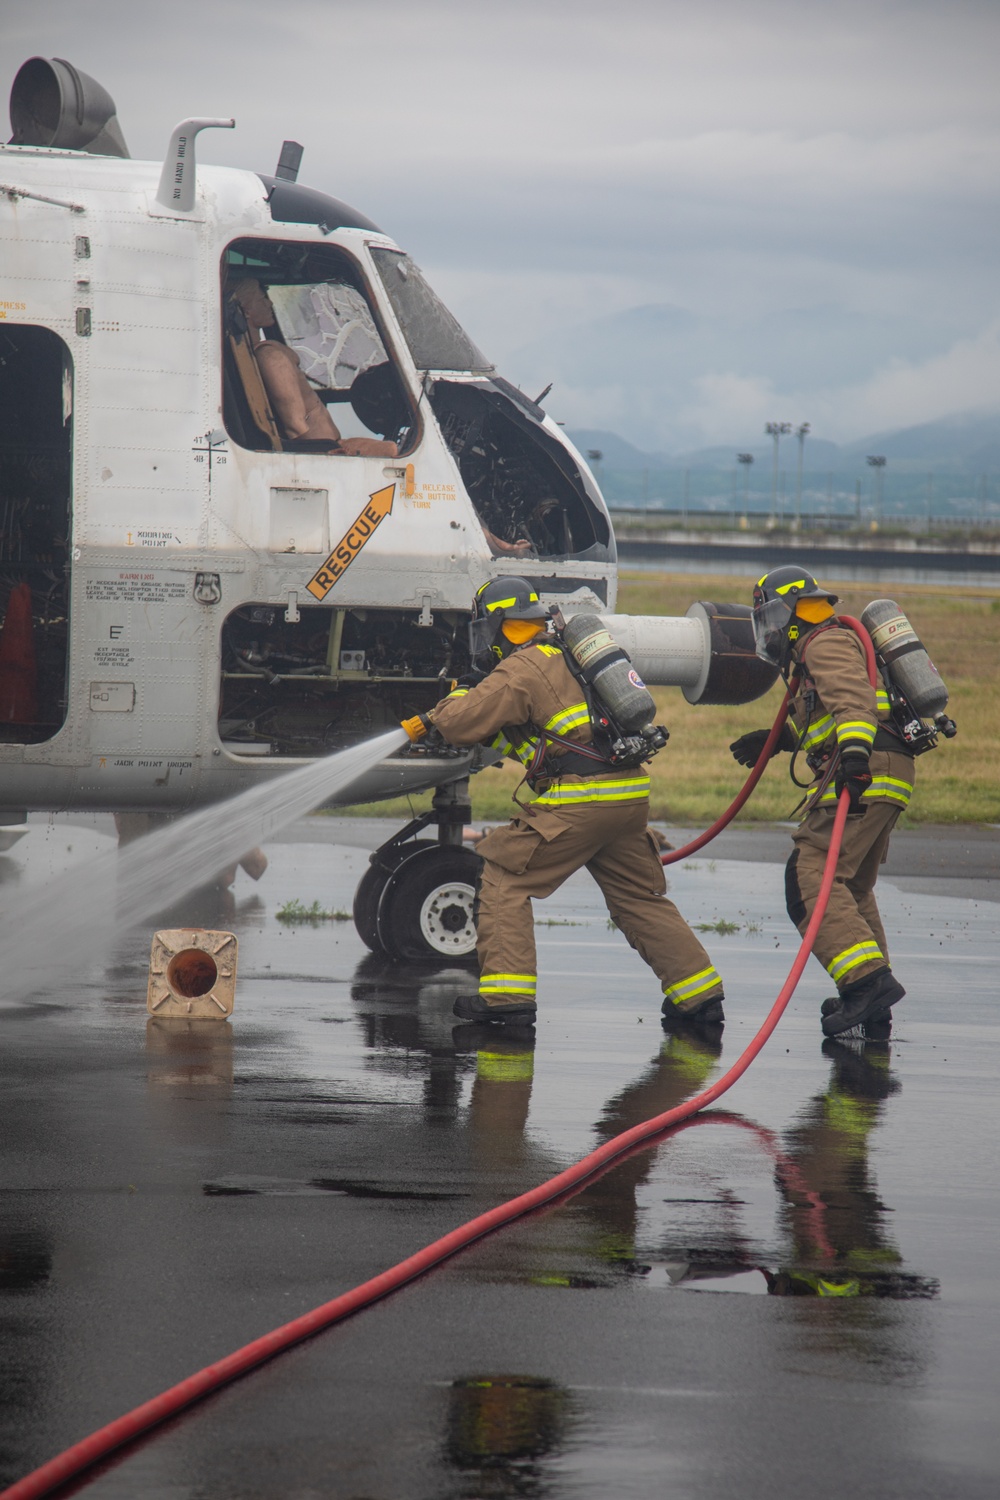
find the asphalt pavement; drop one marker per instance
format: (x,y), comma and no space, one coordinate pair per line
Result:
(794,1294)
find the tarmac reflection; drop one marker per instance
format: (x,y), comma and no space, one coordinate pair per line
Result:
(499,1430)
(834,1243)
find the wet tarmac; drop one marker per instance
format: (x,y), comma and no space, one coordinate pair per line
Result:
(793,1295)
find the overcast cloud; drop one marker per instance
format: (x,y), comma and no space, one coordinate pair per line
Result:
(553,165)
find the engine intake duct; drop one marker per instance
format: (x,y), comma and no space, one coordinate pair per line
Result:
(709,653)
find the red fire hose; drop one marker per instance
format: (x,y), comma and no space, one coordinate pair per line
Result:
(81,1456)
(765,755)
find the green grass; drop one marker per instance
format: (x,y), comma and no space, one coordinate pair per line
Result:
(293,911)
(695,778)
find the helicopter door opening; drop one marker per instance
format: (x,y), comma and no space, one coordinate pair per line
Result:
(306,367)
(36,413)
(331,678)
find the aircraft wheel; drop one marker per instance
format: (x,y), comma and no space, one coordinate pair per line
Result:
(426,905)
(373,883)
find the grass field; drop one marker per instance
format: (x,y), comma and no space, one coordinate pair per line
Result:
(695,778)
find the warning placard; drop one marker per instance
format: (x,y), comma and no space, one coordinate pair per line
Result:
(379,506)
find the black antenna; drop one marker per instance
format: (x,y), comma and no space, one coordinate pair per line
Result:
(289,161)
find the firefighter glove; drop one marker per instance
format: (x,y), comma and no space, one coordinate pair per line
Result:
(746,750)
(853,773)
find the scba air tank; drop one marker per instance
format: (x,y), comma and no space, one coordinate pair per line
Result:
(910,668)
(609,672)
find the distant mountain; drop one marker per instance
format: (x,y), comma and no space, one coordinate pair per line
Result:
(615,452)
(818,454)
(968,443)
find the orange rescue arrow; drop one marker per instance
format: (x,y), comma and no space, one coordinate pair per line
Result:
(379,506)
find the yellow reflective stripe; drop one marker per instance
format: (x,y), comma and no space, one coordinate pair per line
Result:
(818,732)
(797,583)
(573,717)
(856,729)
(850,958)
(508,984)
(456,693)
(505,1067)
(892,784)
(887,789)
(549,650)
(882,701)
(524,749)
(502,604)
(633,789)
(883,788)
(697,984)
(835,1288)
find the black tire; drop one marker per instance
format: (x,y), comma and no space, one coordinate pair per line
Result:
(425,910)
(372,884)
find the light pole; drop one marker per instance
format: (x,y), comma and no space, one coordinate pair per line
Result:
(876,461)
(746,459)
(801,432)
(776,430)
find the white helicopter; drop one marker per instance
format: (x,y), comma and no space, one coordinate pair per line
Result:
(252,472)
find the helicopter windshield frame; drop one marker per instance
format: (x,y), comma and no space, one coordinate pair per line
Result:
(434,336)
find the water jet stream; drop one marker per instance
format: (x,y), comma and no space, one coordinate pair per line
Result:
(45,936)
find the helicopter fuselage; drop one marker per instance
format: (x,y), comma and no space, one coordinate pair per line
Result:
(214,594)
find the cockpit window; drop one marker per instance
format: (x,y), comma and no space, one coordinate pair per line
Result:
(306,366)
(436,339)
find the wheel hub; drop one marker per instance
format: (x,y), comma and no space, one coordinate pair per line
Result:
(446,919)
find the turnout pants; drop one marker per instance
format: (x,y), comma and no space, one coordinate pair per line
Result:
(535,854)
(851,941)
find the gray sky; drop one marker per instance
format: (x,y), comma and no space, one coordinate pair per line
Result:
(553,163)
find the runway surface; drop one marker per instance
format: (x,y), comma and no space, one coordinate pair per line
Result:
(795,1295)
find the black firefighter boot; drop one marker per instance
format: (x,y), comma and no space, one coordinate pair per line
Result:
(866,1003)
(511,1011)
(709,1013)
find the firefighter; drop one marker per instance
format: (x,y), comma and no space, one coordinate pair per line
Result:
(843,726)
(585,812)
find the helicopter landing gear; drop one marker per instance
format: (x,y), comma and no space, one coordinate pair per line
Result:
(415,901)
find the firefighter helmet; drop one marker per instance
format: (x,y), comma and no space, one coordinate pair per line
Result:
(497,602)
(776,623)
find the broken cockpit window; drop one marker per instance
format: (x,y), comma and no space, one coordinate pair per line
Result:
(531,496)
(435,337)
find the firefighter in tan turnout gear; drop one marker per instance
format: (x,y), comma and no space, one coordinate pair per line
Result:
(835,713)
(585,812)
